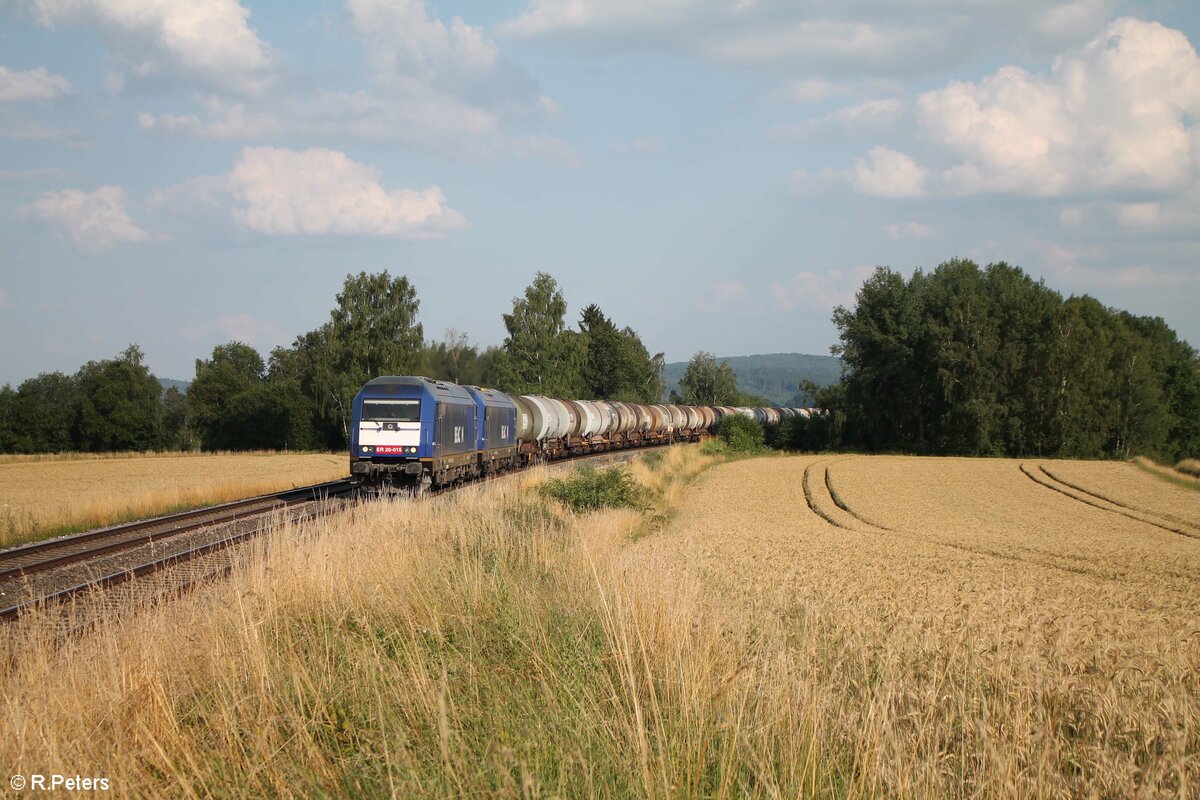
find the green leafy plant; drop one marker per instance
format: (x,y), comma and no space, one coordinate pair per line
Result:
(741,434)
(592,489)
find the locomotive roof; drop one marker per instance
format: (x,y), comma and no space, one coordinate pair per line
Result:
(491,397)
(388,384)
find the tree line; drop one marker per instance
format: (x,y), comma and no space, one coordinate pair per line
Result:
(962,360)
(987,361)
(299,397)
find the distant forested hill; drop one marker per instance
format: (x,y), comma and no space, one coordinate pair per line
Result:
(168,383)
(775,376)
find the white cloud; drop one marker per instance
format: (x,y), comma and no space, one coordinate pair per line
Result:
(94,222)
(405,39)
(847,37)
(34,84)
(1070,217)
(224,121)
(1177,213)
(646,145)
(455,60)
(207,42)
(547,148)
(1139,214)
(323,192)
(728,291)
(812,90)
(1141,276)
(36,132)
(440,86)
(907,230)
(821,292)
(407,112)
(867,116)
(727,297)
(887,173)
(1115,115)
(38,174)
(249,329)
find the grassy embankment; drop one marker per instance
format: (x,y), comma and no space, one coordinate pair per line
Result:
(486,642)
(43,496)
(1186,473)
(495,643)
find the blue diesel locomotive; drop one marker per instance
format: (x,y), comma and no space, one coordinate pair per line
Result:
(413,431)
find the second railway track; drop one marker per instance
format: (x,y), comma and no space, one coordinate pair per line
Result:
(25,571)
(56,571)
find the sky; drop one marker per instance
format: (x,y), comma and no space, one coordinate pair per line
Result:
(716,174)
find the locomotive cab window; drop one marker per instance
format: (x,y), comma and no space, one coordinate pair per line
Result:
(392,410)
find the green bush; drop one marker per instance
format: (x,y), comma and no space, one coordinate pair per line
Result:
(741,434)
(591,489)
(779,436)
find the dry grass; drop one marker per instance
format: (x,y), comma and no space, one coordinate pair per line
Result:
(492,644)
(1190,466)
(1177,476)
(42,497)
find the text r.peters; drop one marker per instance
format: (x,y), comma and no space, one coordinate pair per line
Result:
(71,783)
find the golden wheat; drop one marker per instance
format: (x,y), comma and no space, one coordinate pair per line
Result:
(1001,639)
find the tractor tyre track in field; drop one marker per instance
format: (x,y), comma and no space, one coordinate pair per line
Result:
(1161,516)
(1028,556)
(1051,483)
(812,505)
(840,503)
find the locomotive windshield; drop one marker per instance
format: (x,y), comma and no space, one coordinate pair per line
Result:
(392,410)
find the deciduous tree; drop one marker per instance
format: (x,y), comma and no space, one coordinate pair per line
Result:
(120,404)
(540,355)
(707,383)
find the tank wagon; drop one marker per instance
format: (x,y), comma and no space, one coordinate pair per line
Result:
(415,432)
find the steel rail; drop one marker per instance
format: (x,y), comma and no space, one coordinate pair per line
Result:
(120,576)
(52,553)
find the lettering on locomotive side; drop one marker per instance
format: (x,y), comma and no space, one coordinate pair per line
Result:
(460,433)
(503,431)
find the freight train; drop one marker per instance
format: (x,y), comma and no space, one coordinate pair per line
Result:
(416,433)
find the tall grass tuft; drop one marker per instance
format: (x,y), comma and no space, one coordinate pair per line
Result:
(1190,466)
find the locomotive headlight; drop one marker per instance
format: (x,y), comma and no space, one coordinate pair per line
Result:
(366,448)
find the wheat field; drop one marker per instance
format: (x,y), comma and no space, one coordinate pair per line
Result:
(42,496)
(774,627)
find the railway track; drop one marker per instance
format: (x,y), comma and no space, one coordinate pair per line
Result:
(25,568)
(191,546)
